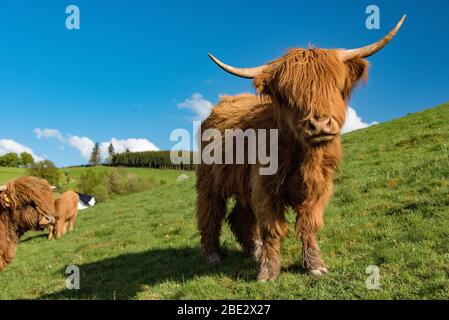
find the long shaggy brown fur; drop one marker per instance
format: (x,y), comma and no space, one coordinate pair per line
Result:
(27,204)
(66,211)
(304,84)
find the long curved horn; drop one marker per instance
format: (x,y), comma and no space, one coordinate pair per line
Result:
(2,188)
(248,73)
(365,52)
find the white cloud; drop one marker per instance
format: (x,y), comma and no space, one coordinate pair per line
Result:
(197,104)
(133,145)
(49,133)
(83,144)
(354,122)
(7,146)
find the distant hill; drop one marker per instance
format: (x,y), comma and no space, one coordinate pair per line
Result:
(7,174)
(390,209)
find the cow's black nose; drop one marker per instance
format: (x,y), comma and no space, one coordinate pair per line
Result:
(321,125)
(51,220)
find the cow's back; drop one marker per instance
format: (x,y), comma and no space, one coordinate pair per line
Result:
(67,205)
(242,112)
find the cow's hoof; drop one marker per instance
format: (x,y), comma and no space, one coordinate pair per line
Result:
(266,274)
(319,271)
(212,259)
(264,277)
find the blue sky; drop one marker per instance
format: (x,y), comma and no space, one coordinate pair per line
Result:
(126,74)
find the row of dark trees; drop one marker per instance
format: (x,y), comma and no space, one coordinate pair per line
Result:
(150,159)
(147,159)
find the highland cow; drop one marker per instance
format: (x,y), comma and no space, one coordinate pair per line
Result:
(66,211)
(303,95)
(25,204)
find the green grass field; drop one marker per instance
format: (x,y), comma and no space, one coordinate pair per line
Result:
(168,176)
(390,209)
(7,174)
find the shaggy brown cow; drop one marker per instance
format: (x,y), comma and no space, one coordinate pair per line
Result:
(304,95)
(25,204)
(66,211)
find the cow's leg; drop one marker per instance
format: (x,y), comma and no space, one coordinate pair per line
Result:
(308,221)
(50,235)
(273,228)
(2,261)
(64,228)
(8,255)
(211,210)
(270,215)
(59,227)
(72,221)
(243,224)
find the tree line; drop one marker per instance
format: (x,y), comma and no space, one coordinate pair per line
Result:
(146,159)
(14,160)
(149,159)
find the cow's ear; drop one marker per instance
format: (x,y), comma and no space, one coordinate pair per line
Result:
(6,200)
(357,71)
(262,82)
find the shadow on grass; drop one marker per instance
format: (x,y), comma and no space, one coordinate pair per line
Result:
(124,276)
(39,236)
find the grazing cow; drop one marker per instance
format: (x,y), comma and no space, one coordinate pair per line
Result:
(66,210)
(25,204)
(304,96)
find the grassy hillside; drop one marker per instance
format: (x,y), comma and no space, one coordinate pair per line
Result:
(390,209)
(169,176)
(7,174)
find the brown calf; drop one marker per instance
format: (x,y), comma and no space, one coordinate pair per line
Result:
(66,210)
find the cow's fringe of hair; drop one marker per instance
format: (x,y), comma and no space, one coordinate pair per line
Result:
(305,79)
(28,191)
